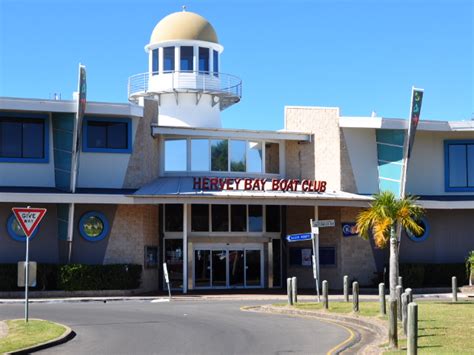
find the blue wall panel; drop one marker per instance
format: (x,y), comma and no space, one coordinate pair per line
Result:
(390,158)
(63,125)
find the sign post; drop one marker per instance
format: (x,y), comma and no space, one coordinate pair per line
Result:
(167,279)
(28,219)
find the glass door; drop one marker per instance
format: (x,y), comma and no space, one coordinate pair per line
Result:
(202,268)
(219,271)
(253,268)
(236,268)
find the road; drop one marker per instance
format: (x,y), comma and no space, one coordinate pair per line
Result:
(181,327)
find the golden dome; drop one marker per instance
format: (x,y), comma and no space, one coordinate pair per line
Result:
(183,26)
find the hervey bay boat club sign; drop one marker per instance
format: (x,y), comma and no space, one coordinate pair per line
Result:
(250,184)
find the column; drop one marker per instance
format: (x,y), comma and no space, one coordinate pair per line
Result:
(185,248)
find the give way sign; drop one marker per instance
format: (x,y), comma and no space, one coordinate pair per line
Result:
(29,218)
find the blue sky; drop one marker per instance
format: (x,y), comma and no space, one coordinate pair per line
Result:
(358,55)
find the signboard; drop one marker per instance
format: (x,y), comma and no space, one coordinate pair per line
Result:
(22,274)
(324,223)
(349,229)
(298,237)
(416,100)
(29,218)
(250,184)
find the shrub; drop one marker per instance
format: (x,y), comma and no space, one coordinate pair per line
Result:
(431,275)
(75,277)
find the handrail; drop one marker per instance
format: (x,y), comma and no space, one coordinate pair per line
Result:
(220,84)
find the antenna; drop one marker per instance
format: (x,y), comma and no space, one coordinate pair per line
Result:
(184,8)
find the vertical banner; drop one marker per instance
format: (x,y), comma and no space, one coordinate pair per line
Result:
(76,138)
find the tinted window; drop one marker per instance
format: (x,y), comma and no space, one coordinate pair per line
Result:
(237,155)
(272,158)
(276,248)
(200,155)
(174,261)
(200,218)
(238,218)
(220,218)
(457,166)
(155,59)
(175,155)
(203,59)
(219,159)
(470,165)
(174,218)
(103,134)
(168,59)
(273,218)
(254,157)
(255,218)
(186,62)
(22,138)
(215,58)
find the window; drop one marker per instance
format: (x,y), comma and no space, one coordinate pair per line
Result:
(23,139)
(15,231)
(174,262)
(327,256)
(186,62)
(255,218)
(238,218)
(254,156)
(168,59)
(175,155)
(220,218)
(93,226)
(237,155)
(199,154)
(203,59)
(459,165)
(173,218)
(200,218)
(272,158)
(302,256)
(215,66)
(219,158)
(107,135)
(155,67)
(273,218)
(276,248)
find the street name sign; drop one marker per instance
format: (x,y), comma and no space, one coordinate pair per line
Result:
(324,223)
(299,237)
(29,218)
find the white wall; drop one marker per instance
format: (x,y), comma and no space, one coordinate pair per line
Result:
(426,168)
(105,170)
(30,174)
(362,151)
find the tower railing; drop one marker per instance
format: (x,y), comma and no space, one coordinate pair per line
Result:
(225,86)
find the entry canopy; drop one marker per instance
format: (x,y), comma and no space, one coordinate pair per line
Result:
(178,189)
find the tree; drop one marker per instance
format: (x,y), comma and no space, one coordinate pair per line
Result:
(381,220)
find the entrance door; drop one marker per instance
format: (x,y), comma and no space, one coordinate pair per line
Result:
(252,268)
(219,273)
(202,268)
(236,268)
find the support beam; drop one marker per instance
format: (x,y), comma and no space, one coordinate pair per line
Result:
(185,248)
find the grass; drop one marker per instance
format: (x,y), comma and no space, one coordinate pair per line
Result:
(22,334)
(443,327)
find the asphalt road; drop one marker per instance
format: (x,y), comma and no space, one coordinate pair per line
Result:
(181,327)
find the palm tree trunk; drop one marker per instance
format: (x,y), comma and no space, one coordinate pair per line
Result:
(393,261)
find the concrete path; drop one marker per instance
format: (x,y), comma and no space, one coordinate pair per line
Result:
(185,327)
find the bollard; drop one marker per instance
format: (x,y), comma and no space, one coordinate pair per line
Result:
(383,308)
(294,289)
(412,336)
(355,296)
(409,292)
(405,302)
(392,324)
(400,282)
(454,283)
(398,293)
(346,288)
(325,295)
(289,291)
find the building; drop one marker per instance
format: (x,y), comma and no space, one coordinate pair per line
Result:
(216,204)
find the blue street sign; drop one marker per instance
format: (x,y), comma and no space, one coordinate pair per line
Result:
(298,237)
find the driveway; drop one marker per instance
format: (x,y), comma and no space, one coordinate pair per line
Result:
(181,327)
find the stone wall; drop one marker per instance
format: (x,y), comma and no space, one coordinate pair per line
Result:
(143,166)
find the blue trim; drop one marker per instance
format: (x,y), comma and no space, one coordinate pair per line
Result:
(127,150)
(104,220)
(13,235)
(447,143)
(425,235)
(45,118)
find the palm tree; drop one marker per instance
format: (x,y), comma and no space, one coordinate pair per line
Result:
(381,220)
(385,215)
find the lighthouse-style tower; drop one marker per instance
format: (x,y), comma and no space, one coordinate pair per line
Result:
(184,73)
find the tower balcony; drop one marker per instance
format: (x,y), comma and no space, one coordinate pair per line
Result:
(225,89)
